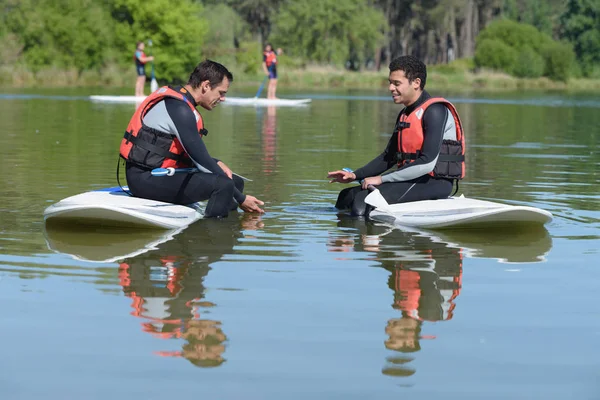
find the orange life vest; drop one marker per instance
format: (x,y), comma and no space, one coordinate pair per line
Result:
(151,148)
(414,294)
(451,161)
(271,58)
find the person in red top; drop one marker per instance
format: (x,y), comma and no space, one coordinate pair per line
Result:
(140,63)
(427,146)
(270,68)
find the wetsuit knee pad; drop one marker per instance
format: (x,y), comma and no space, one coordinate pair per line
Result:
(346,197)
(359,207)
(224,184)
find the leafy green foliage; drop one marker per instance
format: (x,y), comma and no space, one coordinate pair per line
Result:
(249,58)
(542,14)
(528,64)
(522,50)
(328,30)
(581,22)
(175,27)
(514,34)
(86,38)
(62,33)
(495,54)
(559,60)
(225,30)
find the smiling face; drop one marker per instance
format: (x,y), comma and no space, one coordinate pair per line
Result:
(404,91)
(211,96)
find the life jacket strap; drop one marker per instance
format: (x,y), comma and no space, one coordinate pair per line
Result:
(407,156)
(441,157)
(152,148)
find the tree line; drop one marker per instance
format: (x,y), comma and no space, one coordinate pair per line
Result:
(357,34)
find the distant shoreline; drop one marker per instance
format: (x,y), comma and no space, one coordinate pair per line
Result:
(440,77)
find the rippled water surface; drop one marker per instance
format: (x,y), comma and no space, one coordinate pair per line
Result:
(302,302)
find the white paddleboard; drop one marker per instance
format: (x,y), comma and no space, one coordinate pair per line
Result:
(257,101)
(118,99)
(114,207)
(459,212)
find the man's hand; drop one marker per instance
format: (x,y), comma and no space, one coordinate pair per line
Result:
(251,205)
(225,169)
(372,180)
(341,176)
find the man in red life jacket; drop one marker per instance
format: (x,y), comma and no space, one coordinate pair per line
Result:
(427,146)
(167,131)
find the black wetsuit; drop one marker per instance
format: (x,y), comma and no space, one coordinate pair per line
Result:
(412,181)
(211,183)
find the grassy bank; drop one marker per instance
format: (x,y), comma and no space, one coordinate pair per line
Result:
(455,77)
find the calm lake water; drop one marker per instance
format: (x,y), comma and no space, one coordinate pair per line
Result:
(302,303)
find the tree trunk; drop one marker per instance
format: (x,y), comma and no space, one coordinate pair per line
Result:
(467,47)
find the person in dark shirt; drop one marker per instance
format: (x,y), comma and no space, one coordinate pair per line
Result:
(427,146)
(167,131)
(140,59)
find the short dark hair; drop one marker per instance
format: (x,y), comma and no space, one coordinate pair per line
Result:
(413,68)
(210,71)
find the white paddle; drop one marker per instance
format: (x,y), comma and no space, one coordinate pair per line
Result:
(153,83)
(376,200)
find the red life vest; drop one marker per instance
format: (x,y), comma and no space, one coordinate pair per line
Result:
(138,60)
(451,161)
(271,58)
(151,148)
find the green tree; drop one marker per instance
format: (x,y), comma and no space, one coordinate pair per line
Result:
(559,59)
(543,14)
(522,50)
(514,34)
(329,30)
(176,27)
(62,33)
(581,26)
(495,54)
(257,13)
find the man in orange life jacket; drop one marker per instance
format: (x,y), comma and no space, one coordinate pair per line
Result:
(427,145)
(167,131)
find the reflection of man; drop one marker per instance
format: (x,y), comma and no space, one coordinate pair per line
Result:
(403,334)
(425,277)
(166,286)
(205,343)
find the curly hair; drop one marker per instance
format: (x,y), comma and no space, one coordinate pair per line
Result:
(413,68)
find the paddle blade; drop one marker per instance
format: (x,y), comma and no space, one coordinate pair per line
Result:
(153,85)
(376,200)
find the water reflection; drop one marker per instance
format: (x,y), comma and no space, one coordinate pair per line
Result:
(269,141)
(426,271)
(165,279)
